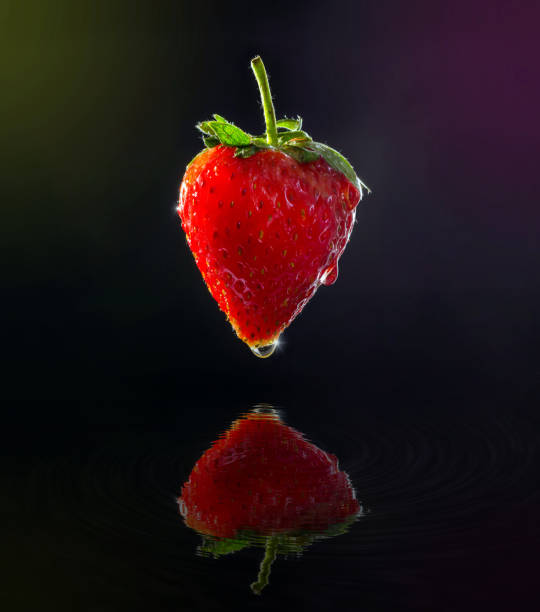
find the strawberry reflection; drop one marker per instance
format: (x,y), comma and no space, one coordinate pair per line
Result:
(262,484)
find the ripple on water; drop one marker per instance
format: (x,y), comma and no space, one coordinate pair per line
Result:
(419,481)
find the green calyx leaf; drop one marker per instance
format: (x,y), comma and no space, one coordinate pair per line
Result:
(245,152)
(301,155)
(230,135)
(290,124)
(217,546)
(211,141)
(293,135)
(338,162)
(226,133)
(286,542)
(290,140)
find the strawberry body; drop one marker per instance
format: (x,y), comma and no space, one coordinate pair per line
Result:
(266,231)
(263,477)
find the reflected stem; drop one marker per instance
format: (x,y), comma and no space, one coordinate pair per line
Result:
(266,564)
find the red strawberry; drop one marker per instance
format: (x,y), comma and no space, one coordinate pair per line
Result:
(267,219)
(262,483)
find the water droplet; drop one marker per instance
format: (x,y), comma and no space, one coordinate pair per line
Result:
(264,351)
(329,276)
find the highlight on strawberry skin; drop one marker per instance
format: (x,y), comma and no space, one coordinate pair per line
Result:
(267,218)
(263,484)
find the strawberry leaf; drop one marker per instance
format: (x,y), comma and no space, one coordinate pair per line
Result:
(245,152)
(229,134)
(206,128)
(337,161)
(296,135)
(211,141)
(217,546)
(290,124)
(290,139)
(260,141)
(287,542)
(225,132)
(300,154)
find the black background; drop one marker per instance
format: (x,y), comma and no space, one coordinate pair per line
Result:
(111,339)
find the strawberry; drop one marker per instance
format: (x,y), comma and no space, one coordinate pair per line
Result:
(266,219)
(263,484)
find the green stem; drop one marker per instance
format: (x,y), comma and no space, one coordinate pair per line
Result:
(266,97)
(264,569)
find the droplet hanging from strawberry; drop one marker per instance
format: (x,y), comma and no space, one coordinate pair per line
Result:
(266,218)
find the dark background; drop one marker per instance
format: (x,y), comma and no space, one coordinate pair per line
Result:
(115,357)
